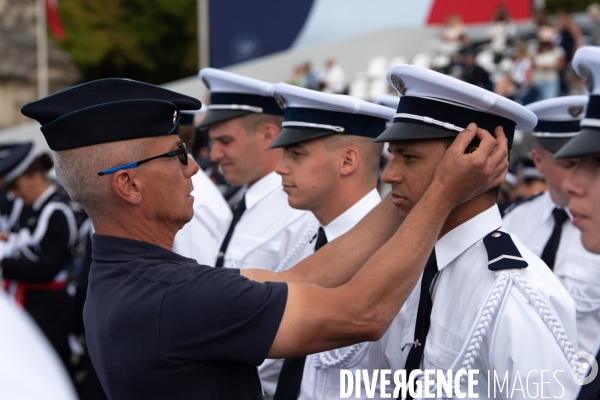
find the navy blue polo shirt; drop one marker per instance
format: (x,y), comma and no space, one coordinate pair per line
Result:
(161,326)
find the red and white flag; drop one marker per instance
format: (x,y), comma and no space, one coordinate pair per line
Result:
(53,19)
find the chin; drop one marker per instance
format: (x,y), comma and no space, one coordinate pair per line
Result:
(297,204)
(591,241)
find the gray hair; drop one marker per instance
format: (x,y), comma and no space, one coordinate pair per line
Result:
(77,171)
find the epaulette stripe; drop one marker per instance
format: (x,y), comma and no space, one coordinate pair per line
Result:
(505,256)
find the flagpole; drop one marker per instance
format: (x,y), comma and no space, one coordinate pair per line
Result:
(203,35)
(42,48)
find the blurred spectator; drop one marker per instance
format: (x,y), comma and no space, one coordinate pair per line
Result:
(500,33)
(527,92)
(593,12)
(510,83)
(548,62)
(571,39)
(454,29)
(298,78)
(311,80)
(333,79)
(473,73)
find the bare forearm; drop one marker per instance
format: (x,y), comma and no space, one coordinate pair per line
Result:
(388,278)
(337,262)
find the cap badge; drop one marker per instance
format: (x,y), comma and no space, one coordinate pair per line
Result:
(586,77)
(398,84)
(280,101)
(174,117)
(576,110)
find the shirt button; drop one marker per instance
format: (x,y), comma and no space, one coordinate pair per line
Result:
(439,360)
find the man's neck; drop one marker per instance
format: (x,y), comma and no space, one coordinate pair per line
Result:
(131,228)
(465,211)
(341,200)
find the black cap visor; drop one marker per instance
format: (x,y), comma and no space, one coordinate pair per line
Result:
(412,131)
(215,116)
(289,136)
(586,143)
(552,144)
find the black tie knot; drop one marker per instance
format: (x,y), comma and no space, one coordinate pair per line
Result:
(560,216)
(549,252)
(321,239)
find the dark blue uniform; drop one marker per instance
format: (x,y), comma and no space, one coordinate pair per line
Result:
(161,326)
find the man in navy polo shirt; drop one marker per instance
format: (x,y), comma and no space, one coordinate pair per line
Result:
(161,326)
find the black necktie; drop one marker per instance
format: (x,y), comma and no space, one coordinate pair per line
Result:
(549,253)
(290,378)
(591,391)
(237,214)
(413,361)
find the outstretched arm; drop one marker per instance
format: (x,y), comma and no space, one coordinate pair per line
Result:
(318,319)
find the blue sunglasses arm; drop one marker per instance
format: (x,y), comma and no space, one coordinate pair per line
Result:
(120,167)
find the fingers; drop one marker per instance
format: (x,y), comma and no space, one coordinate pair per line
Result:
(463,139)
(487,142)
(500,152)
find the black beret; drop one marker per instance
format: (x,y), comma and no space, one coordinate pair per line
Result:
(108,110)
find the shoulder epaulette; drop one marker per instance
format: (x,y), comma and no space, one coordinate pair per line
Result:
(521,201)
(502,252)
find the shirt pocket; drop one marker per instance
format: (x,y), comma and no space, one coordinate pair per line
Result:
(438,356)
(254,252)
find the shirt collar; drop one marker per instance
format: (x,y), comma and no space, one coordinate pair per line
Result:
(548,207)
(262,188)
(351,216)
(113,248)
(459,239)
(39,202)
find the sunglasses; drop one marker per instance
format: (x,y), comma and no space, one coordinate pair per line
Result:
(181,154)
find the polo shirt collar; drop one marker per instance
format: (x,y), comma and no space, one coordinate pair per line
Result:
(459,239)
(113,248)
(262,188)
(352,216)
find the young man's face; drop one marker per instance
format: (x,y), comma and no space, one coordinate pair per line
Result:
(411,170)
(555,172)
(582,185)
(238,151)
(308,173)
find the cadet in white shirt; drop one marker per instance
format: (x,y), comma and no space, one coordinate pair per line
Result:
(201,237)
(243,119)
(330,167)
(485,302)
(582,184)
(544,226)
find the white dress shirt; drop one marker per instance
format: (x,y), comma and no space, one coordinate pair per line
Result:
(517,339)
(201,237)
(270,234)
(320,381)
(576,268)
(29,367)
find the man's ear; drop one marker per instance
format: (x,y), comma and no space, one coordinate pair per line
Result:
(269,132)
(127,187)
(349,160)
(536,156)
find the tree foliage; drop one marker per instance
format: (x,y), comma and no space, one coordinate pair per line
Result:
(569,5)
(149,40)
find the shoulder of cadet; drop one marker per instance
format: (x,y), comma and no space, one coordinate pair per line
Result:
(503,252)
(521,202)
